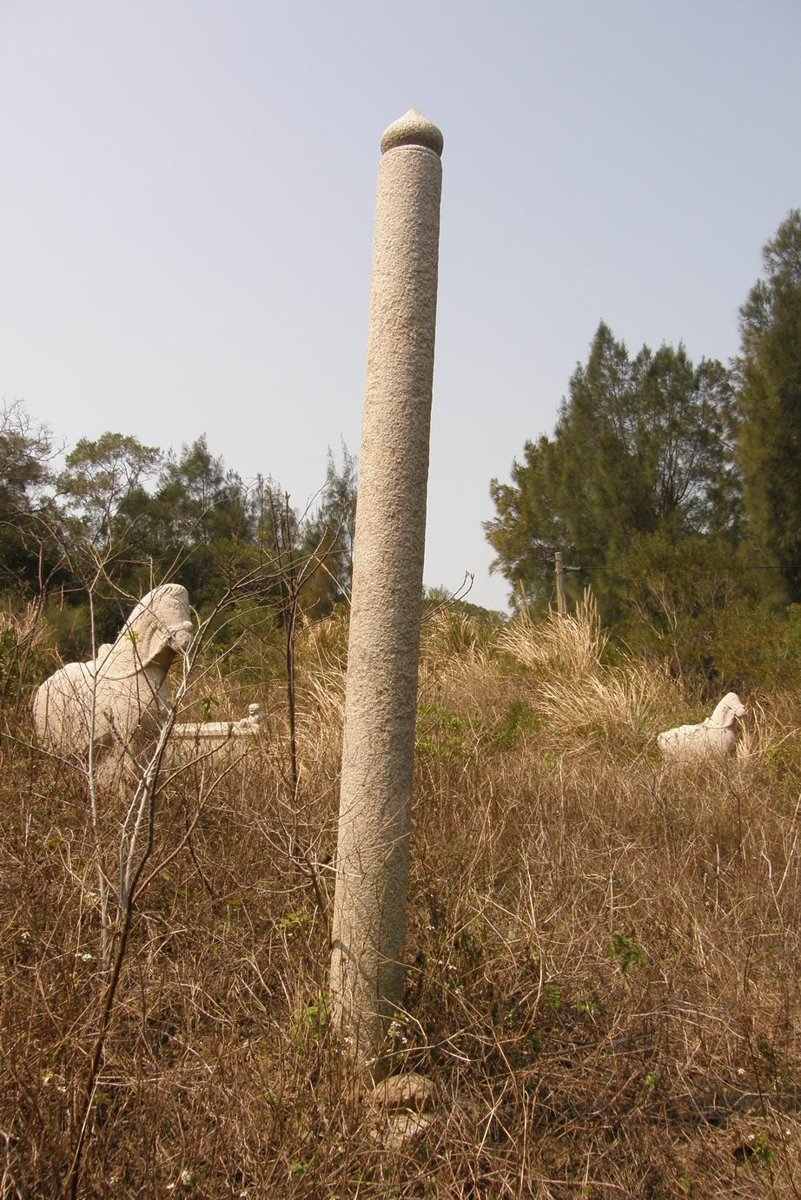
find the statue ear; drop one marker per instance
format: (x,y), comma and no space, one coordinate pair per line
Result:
(151,638)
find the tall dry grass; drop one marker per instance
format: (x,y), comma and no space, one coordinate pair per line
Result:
(603,956)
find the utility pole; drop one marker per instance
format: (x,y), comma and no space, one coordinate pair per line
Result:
(561,602)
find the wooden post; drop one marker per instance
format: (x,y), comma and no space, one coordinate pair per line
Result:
(561,602)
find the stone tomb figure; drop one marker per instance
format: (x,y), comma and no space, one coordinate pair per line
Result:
(716,737)
(119,699)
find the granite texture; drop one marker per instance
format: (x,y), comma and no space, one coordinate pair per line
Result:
(378,744)
(117,701)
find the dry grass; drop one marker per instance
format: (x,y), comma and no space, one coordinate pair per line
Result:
(570,646)
(603,956)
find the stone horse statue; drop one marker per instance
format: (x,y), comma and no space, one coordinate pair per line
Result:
(117,702)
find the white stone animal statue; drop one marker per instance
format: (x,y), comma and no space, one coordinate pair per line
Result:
(212,735)
(118,699)
(716,737)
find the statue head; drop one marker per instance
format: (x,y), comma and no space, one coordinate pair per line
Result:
(159,628)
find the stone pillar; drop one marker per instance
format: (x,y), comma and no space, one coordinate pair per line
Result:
(369,925)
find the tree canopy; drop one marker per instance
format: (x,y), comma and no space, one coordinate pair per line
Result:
(25,453)
(769,407)
(674,487)
(120,516)
(640,448)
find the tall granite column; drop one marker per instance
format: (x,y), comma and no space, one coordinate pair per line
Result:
(378,748)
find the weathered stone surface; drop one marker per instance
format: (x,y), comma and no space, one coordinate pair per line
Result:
(369,926)
(413,1092)
(117,702)
(118,699)
(404,1129)
(716,737)
(412,129)
(213,735)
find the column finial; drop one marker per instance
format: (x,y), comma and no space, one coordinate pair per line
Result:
(412,129)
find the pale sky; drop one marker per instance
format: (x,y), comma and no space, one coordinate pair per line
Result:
(187,191)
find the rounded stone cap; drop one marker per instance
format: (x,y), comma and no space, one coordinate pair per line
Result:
(412,129)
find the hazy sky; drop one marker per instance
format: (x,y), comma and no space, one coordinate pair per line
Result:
(187,191)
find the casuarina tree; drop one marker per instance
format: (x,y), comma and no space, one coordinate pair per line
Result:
(640,447)
(769,407)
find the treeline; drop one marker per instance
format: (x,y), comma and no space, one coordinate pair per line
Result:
(117,517)
(674,489)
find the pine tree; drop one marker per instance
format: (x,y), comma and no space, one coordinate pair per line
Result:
(769,406)
(201,521)
(639,448)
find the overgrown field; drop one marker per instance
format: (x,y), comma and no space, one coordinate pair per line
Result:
(603,956)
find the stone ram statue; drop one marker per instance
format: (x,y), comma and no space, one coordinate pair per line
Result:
(715,737)
(119,700)
(120,697)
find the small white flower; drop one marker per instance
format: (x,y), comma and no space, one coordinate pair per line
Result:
(186,1177)
(741,1070)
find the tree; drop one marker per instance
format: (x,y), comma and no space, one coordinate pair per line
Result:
(201,500)
(641,446)
(103,515)
(26,555)
(201,520)
(327,538)
(769,406)
(101,477)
